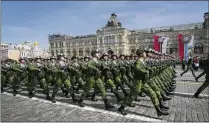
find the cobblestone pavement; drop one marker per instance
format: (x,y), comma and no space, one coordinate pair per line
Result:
(182,106)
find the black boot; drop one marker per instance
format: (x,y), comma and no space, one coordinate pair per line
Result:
(14,92)
(160,111)
(169,92)
(165,97)
(196,79)
(93,97)
(2,90)
(44,92)
(30,95)
(73,98)
(107,104)
(122,111)
(53,98)
(80,103)
(162,105)
(66,94)
(48,97)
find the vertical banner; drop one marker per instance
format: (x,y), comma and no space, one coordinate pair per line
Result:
(191,43)
(164,45)
(181,46)
(186,51)
(156,43)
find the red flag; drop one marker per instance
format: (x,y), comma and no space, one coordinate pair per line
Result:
(181,46)
(156,43)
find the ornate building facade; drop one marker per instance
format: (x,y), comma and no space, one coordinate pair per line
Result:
(114,38)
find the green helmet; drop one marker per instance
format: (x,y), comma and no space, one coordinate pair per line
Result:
(94,52)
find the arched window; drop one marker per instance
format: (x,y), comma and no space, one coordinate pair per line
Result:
(80,52)
(198,48)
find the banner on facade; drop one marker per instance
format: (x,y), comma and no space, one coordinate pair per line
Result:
(156,43)
(181,46)
(191,42)
(164,44)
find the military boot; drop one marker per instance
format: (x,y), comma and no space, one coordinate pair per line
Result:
(161,112)
(165,97)
(14,92)
(2,90)
(47,96)
(122,111)
(196,79)
(107,104)
(73,98)
(162,105)
(169,92)
(93,97)
(66,94)
(197,94)
(80,103)
(53,98)
(30,94)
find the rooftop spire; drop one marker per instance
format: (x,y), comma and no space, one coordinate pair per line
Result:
(113,21)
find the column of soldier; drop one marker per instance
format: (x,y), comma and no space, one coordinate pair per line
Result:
(149,73)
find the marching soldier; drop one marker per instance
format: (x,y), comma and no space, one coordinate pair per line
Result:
(141,75)
(61,72)
(94,80)
(189,67)
(108,76)
(206,83)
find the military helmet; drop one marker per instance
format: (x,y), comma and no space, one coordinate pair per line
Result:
(52,58)
(139,51)
(127,56)
(81,58)
(60,55)
(122,55)
(113,56)
(105,54)
(94,52)
(37,58)
(74,57)
(86,57)
(10,60)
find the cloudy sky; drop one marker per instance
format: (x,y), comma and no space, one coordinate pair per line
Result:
(23,21)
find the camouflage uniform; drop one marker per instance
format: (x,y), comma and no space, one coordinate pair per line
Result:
(94,80)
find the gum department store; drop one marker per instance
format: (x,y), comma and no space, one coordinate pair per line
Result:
(114,38)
